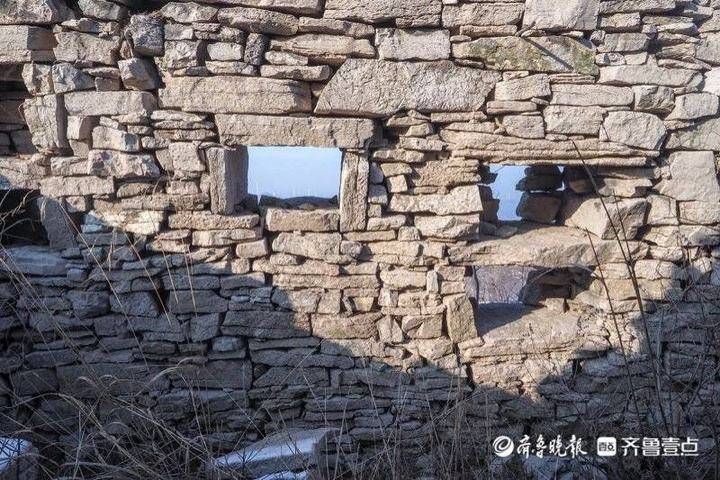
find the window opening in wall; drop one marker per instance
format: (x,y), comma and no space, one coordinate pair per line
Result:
(506,293)
(504,191)
(513,284)
(294,174)
(527,193)
(15,138)
(524,199)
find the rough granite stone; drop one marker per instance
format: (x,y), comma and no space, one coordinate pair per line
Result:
(533,86)
(266,130)
(622,219)
(110,103)
(642,130)
(591,95)
(406,44)
(84,47)
(406,13)
(235,95)
(381,88)
(283,220)
(568,15)
(47,121)
(482,14)
(23,44)
(34,12)
(552,54)
(256,20)
(459,200)
(692,176)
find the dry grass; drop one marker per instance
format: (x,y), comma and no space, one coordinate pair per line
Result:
(112,436)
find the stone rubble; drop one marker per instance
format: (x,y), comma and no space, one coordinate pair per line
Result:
(129,128)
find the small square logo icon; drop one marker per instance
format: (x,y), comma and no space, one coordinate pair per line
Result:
(606,446)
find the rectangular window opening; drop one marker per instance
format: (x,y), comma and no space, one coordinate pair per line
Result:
(523,193)
(293,176)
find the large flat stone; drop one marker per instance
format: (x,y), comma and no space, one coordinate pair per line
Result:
(84,47)
(110,103)
(22,43)
(459,200)
(311,245)
(573,120)
(538,54)
(520,330)
(235,95)
(627,6)
(693,176)
(72,186)
(407,13)
(321,46)
(546,246)
(259,20)
(32,12)
(591,95)
(33,260)
(264,130)
(712,81)
(123,165)
(500,148)
(308,7)
(99,379)
(646,74)
(231,374)
(267,325)
(140,222)
(635,129)
(382,88)
(209,221)
(702,136)
(412,44)
(693,106)
(284,220)
(566,15)
(622,220)
(523,88)
(481,14)
(708,49)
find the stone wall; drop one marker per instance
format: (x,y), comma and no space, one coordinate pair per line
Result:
(362,313)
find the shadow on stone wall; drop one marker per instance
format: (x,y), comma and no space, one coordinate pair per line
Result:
(169,355)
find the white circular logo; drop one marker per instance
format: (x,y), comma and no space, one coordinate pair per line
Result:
(503,446)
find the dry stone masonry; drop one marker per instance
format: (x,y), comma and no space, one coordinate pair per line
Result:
(141,268)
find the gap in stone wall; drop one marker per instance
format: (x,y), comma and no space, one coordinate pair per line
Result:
(15,138)
(523,193)
(20,218)
(294,175)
